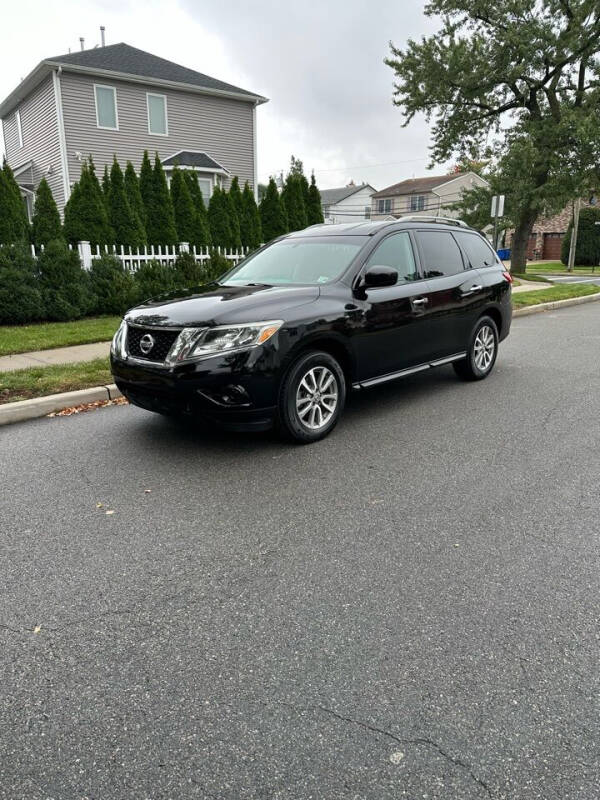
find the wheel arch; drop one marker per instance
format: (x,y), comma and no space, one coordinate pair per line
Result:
(336,346)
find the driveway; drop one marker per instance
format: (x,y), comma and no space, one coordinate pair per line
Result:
(408,609)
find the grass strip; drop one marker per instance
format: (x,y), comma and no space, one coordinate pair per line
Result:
(45,335)
(23,384)
(562,292)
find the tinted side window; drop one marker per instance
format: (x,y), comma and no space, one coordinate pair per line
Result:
(441,254)
(479,253)
(396,251)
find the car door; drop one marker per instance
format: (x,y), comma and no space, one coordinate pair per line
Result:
(392,334)
(453,293)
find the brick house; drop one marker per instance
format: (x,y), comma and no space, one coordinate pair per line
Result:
(546,237)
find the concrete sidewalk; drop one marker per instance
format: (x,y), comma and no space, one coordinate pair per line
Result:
(527,286)
(59,355)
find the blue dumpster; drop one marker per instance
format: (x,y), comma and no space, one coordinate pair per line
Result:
(504,254)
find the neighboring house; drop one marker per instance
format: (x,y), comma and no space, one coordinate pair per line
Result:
(546,237)
(348,204)
(119,100)
(431,196)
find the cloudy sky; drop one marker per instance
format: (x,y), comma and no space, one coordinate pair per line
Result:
(319,62)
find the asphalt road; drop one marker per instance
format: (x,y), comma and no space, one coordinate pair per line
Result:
(574,279)
(408,609)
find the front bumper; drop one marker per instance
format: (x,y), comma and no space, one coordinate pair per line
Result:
(236,390)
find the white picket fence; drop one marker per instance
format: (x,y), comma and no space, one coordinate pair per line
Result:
(133,258)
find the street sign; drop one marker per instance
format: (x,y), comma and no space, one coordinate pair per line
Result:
(497,205)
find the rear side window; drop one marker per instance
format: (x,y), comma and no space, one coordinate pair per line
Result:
(479,253)
(396,251)
(441,254)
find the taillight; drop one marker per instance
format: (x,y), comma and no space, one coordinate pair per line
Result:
(508,276)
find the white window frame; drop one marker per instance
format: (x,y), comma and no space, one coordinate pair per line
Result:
(164,99)
(416,198)
(114,91)
(19,127)
(382,202)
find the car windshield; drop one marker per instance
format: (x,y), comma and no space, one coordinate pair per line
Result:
(311,260)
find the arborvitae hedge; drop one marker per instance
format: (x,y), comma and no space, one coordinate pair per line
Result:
(272,216)
(20,295)
(218,219)
(14,225)
(45,225)
(125,223)
(293,197)
(201,226)
(134,197)
(112,286)
(314,209)
(153,279)
(146,188)
(234,221)
(250,227)
(85,217)
(183,208)
(160,225)
(63,283)
(587,252)
(106,189)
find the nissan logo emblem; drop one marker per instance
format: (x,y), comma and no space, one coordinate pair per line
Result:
(146,343)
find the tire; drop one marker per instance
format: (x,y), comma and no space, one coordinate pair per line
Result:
(312,397)
(482,352)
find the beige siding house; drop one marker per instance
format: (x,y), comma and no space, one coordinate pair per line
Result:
(430,196)
(119,100)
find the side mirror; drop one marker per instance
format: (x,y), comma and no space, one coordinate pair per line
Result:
(380,275)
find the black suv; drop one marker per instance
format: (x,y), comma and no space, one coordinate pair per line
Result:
(283,337)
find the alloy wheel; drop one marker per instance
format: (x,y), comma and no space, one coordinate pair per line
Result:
(484,348)
(317,397)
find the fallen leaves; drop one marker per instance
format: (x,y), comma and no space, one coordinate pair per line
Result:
(37,629)
(81,409)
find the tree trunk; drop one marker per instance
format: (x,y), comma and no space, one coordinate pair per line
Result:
(520,240)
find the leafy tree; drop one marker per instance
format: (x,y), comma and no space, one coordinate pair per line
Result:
(85,217)
(160,226)
(112,286)
(134,197)
(14,225)
(314,210)
(520,86)
(218,219)
(64,284)
(125,223)
(20,296)
(250,227)
(587,251)
(183,206)
(146,187)
(201,227)
(45,225)
(272,215)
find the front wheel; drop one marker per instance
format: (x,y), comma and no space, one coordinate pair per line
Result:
(312,397)
(482,352)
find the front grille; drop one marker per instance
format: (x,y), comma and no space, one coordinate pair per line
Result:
(163,341)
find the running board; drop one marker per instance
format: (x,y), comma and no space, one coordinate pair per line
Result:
(391,376)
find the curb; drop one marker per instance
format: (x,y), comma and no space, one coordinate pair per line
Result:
(40,406)
(571,301)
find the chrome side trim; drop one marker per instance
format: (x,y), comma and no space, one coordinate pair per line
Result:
(440,361)
(391,376)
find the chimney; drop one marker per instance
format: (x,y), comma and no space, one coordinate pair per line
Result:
(102,30)
(82,42)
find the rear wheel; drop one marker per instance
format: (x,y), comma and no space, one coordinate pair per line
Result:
(482,352)
(312,397)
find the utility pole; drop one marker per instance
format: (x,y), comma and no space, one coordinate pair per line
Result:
(573,247)
(497,211)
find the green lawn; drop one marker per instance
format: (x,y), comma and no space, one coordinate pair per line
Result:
(22,384)
(558,266)
(562,292)
(43,336)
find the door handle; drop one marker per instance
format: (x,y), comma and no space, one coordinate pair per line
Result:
(474,288)
(420,301)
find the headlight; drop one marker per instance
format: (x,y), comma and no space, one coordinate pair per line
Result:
(117,347)
(202,342)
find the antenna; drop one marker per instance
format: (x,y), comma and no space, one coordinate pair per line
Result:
(102,31)
(82,42)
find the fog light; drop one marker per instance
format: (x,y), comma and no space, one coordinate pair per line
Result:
(232,395)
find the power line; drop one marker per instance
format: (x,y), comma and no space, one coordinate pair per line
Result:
(356,166)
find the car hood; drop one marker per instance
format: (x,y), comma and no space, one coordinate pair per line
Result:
(214,304)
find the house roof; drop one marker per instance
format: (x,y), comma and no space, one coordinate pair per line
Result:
(415,185)
(329,197)
(129,63)
(194,158)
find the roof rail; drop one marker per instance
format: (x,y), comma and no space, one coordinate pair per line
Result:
(445,220)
